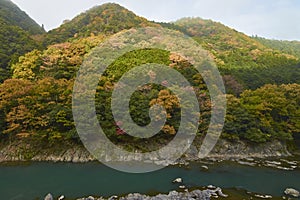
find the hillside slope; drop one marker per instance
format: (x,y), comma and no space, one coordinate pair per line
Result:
(16,36)
(231,48)
(241,58)
(36,103)
(106,19)
(289,47)
(13,15)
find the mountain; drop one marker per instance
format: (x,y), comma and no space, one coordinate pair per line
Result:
(16,36)
(289,47)
(106,19)
(241,58)
(230,47)
(13,15)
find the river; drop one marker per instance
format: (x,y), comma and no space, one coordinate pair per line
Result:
(34,180)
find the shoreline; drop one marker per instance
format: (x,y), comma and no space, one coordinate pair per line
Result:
(76,153)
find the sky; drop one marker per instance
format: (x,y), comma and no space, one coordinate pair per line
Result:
(273,19)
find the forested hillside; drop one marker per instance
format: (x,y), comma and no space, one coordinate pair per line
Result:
(37,101)
(240,57)
(16,31)
(13,15)
(289,47)
(107,19)
(262,82)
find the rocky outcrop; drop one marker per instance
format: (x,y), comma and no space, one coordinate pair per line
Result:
(75,155)
(224,150)
(18,151)
(241,149)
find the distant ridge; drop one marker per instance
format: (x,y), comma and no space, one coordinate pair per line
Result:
(105,19)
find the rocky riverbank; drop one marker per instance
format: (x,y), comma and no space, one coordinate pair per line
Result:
(173,195)
(224,150)
(206,194)
(211,192)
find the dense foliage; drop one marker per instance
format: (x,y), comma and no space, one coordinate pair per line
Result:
(16,30)
(14,42)
(243,59)
(289,47)
(14,16)
(36,102)
(270,112)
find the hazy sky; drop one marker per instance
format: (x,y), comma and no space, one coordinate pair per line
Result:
(278,19)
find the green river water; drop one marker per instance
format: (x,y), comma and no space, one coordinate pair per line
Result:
(35,180)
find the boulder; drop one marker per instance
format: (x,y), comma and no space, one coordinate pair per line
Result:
(211,187)
(61,197)
(177,180)
(48,197)
(219,191)
(204,167)
(292,192)
(113,197)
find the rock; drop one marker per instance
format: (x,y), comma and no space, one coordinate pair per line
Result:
(181,186)
(61,197)
(210,193)
(90,198)
(113,197)
(48,197)
(177,180)
(263,196)
(273,162)
(250,159)
(173,193)
(204,167)
(219,191)
(211,187)
(292,192)
(246,163)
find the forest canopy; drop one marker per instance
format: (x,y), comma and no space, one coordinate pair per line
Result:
(261,79)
